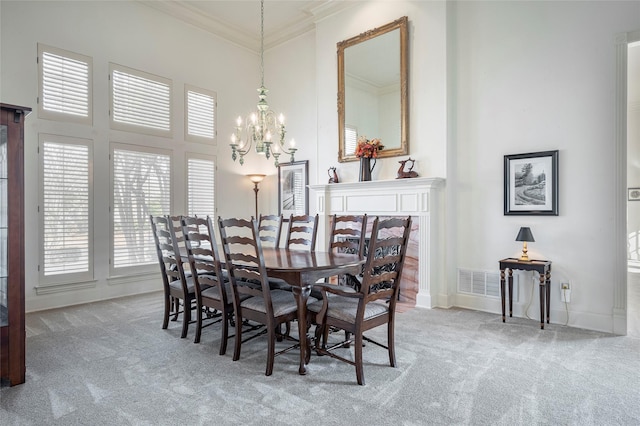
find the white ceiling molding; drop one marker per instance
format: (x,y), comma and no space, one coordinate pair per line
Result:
(221,18)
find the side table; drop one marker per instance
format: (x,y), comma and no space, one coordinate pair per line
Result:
(543,267)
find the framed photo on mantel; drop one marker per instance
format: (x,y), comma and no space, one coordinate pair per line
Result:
(531,184)
(293,192)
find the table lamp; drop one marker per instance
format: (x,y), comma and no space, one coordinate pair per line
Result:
(525,235)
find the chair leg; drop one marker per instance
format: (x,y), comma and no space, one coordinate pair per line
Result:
(175,305)
(186,318)
(198,324)
(168,303)
(271,350)
(226,319)
(238,343)
(391,343)
(358,359)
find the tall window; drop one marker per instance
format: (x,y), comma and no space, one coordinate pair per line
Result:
(66,209)
(201,185)
(140,102)
(200,105)
(141,186)
(64,85)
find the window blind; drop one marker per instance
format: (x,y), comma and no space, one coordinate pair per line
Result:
(201,187)
(350,140)
(140,101)
(200,113)
(141,187)
(67,208)
(65,85)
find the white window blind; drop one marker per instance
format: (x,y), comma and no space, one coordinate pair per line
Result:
(350,140)
(201,186)
(141,187)
(200,114)
(66,209)
(140,102)
(65,85)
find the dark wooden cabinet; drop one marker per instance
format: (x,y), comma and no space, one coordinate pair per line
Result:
(12,318)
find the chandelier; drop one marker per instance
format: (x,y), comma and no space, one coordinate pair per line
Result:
(261,128)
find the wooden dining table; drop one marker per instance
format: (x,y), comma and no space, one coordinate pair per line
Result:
(301,268)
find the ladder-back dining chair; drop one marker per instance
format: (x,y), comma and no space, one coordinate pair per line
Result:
(269,230)
(179,291)
(248,275)
(303,230)
(212,290)
(357,311)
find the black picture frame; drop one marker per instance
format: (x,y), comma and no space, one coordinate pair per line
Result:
(531,184)
(293,190)
(634,194)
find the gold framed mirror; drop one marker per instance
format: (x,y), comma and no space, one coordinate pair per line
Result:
(373,96)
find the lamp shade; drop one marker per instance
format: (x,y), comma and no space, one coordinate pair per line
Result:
(256,178)
(525,235)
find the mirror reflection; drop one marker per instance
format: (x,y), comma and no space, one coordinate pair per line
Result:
(372,90)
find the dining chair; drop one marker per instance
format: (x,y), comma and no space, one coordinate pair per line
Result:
(248,275)
(302,233)
(270,229)
(374,304)
(212,289)
(179,290)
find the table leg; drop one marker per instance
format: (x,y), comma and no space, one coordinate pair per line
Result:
(543,292)
(510,293)
(502,292)
(548,294)
(302,295)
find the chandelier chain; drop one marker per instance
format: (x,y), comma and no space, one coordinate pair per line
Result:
(262,43)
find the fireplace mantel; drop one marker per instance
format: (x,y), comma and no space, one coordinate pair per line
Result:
(419,197)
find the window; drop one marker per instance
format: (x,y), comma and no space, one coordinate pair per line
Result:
(140,102)
(141,186)
(201,185)
(350,140)
(64,85)
(66,209)
(200,114)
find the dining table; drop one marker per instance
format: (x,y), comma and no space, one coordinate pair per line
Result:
(301,269)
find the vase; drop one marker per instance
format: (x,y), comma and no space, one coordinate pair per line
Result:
(366,168)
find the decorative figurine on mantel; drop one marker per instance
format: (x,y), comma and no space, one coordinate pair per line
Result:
(333,176)
(402,174)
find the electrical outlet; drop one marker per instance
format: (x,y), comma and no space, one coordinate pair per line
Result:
(565,292)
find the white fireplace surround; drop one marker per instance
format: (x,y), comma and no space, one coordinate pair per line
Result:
(419,197)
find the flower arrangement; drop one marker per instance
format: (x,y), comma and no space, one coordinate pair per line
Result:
(368,148)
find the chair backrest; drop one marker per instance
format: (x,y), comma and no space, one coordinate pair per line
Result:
(302,232)
(167,250)
(387,252)
(269,230)
(202,249)
(244,259)
(348,234)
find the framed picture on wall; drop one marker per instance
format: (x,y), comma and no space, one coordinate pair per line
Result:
(293,192)
(531,184)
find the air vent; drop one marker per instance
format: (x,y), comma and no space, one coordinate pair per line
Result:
(483,283)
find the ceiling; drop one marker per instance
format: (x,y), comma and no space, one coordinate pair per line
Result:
(239,21)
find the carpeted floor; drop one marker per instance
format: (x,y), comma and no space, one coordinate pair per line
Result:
(110,363)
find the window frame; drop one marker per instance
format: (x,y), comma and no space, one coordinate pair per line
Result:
(205,157)
(197,138)
(137,128)
(152,266)
(74,277)
(57,115)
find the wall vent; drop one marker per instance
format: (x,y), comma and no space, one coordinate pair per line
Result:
(484,283)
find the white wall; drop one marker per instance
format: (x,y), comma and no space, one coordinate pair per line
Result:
(130,34)
(633,151)
(536,76)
